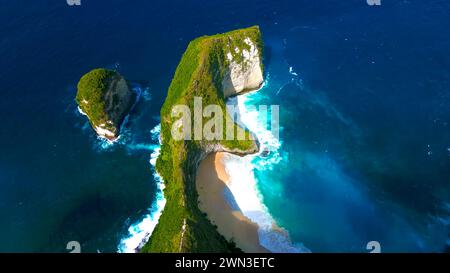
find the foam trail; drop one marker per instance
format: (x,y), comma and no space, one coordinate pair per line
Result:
(243,183)
(146,95)
(140,232)
(292,72)
(81,111)
(104,143)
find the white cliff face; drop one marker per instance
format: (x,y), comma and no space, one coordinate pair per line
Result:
(119,99)
(246,75)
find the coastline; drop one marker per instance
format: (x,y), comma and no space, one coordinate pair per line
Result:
(243,181)
(140,231)
(179,163)
(106,142)
(217,201)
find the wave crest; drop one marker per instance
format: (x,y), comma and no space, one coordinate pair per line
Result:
(140,232)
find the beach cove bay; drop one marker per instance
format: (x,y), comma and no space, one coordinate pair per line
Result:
(362,155)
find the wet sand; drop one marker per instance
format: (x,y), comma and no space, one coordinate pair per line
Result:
(215,199)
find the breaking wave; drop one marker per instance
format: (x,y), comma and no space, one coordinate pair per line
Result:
(140,232)
(243,182)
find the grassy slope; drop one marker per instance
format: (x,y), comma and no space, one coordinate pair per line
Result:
(91,88)
(199,73)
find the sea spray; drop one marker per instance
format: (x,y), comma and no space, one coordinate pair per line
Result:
(140,232)
(243,183)
(104,143)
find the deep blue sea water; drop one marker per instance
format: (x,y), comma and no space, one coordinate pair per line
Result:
(364,95)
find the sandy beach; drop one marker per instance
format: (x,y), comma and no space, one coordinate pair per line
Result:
(216,200)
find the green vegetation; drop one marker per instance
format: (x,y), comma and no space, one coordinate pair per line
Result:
(199,74)
(91,91)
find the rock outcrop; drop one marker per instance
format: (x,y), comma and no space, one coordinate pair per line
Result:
(212,68)
(246,75)
(105,97)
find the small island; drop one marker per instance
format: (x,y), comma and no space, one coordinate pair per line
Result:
(105,97)
(212,68)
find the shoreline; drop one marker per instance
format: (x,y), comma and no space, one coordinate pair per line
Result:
(242,183)
(137,90)
(217,201)
(140,231)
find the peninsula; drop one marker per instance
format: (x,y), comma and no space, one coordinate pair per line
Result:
(212,68)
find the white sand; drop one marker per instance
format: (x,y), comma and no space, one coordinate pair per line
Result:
(216,201)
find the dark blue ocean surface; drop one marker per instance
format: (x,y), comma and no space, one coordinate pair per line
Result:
(364,95)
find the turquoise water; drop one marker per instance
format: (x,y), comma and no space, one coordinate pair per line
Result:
(364,101)
(365,132)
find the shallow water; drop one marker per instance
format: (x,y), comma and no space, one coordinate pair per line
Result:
(364,105)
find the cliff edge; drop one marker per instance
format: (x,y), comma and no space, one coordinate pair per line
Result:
(212,68)
(106,98)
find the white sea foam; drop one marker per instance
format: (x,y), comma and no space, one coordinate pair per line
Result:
(81,111)
(243,183)
(104,143)
(146,95)
(292,72)
(140,232)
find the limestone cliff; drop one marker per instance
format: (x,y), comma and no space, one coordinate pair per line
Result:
(212,68)
(246,75)
(106,98)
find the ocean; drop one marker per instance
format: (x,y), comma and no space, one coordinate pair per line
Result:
(364,99)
